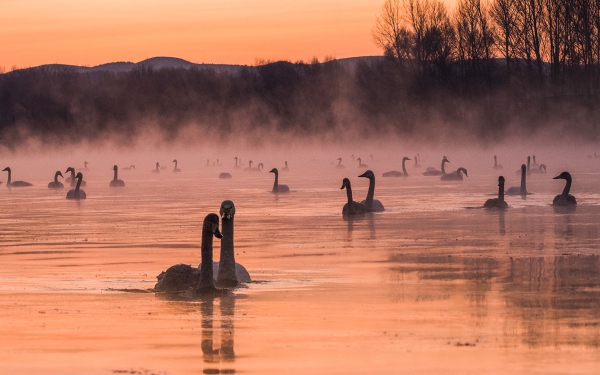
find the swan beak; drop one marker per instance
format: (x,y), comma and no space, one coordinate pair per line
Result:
(556,178)
(217,233)
(343,186)
(363,175)
(226,213)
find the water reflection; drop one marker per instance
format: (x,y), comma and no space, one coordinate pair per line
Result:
(549,301)
(353,223)
(211,354)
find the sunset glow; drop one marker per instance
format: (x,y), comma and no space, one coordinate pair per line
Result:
(232,32)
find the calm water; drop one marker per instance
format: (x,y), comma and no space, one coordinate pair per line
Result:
(432,285)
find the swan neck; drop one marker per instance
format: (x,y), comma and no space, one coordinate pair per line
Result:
(443,169)
(77,186)
(227,260)
(523,182)
(404,167)
(351,209)
(501,194)
(206,267)
(276,183)
(528,166)
(115,174)
(567,188)
(371,193)
(9,177)
(495,161)
(56,178)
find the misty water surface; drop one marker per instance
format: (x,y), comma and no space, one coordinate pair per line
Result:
(432,285)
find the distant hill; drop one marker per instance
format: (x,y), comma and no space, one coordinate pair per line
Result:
(177,63)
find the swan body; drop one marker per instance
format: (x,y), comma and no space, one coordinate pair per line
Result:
(73,178)
(157,168)
(115,181)
(496,165)
(371,205)
(77,193)
(454,176)
(183,277)
(404,173)
(416,165)
(278,188)
(176,169)
(431,171)
(339,164)
(224,175)
(360,163)
(227,272)
(285,167)
(541,169)
(11,183)
(352,207)
(565,199)
(497,202)
(520,190)
(56,184)
(131,167)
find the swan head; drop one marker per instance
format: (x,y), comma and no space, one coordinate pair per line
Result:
(274,170)
(6,169)
(405,158)
(79,175)
(59,174)
(260,166)
(174,161)
(500,180)
(70,169)
(211,223)
(115,167)
(445,159)
(523,167)
(157,164)
(227,210)
(132,166)
(564,176)
(462,170)
(368,174)
(543,167)
(340,159)
(345,183)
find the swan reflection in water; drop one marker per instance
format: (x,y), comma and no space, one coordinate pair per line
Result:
(359,222)
(212,355)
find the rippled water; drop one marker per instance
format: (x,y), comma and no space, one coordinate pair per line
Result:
(432,285)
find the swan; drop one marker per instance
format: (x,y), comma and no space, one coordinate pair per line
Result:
(56,184)
(157,169)
(227,272)
(416,165)
(85,164)
(77,193)
(564,199)
(176,169)
(520,190)
(339,164)
(131,167)
(15,183)
(431,171)
(497,202)
(496,165)
(258,168)
(455,175)
(528,167)
(360,163)
(534,164)
(541,169)
(224,175)
(285,167)
(404,173)
(115,181)
(277,188)
(371,205)
(183,277)
(352,207)
(249,166)
(236,163)
(73,178)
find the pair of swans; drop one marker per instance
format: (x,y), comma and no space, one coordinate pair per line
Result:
(277,187)
(258,168)
(452,176)
(77,193)
(73,178)
(10,183)
(404,173)
(368,205)
(209,275)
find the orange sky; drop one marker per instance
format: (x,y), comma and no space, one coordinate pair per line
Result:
(92,32)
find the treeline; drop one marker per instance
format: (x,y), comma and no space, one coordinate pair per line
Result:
(485,73)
